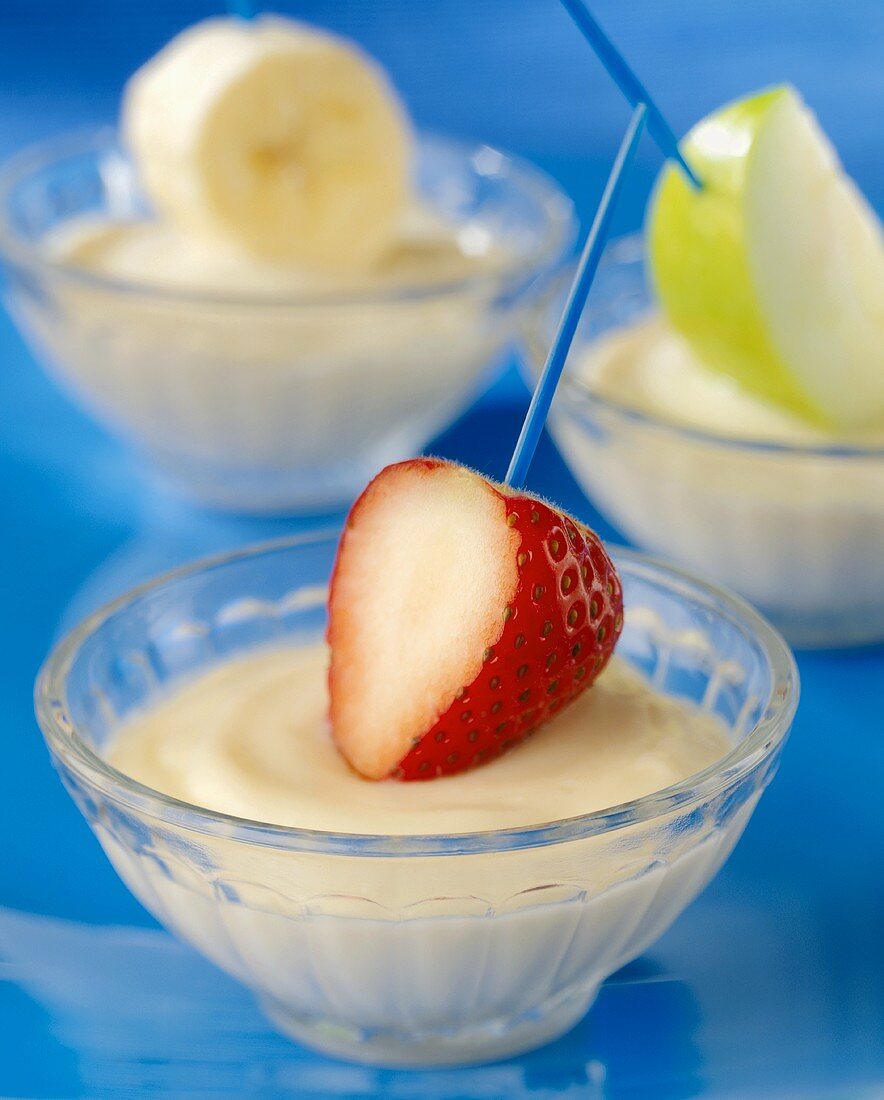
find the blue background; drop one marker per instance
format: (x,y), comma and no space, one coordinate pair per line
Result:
(772,984)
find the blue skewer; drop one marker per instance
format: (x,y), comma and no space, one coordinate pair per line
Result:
(586,269)
(629,84)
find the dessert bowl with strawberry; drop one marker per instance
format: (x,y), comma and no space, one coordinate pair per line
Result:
(424,784)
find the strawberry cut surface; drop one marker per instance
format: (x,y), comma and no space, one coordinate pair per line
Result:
(462,616)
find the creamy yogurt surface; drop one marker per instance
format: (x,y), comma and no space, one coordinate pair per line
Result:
(250,738)
(426,251)
(648,366)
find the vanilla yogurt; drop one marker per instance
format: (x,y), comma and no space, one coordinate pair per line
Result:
(402,958)
(426,252)
(651,368)
(262,387)
(789,515)
(250,739)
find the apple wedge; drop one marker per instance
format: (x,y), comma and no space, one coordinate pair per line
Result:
(816,254)
(774,270)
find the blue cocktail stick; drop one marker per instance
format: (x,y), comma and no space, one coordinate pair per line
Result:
(629,84)
(586,269)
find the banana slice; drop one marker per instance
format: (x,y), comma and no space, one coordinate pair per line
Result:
(284,140)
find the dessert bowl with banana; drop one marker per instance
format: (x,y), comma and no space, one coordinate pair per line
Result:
(267,281)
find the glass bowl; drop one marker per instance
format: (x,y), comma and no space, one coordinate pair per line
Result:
(411,950)
(796,529)
(261,403)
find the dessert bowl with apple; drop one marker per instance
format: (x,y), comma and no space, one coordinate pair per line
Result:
(724,400)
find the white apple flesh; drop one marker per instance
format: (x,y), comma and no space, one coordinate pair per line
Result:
(816,255)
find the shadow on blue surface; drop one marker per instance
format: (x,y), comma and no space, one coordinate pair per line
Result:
(734,1002)
(133,1012)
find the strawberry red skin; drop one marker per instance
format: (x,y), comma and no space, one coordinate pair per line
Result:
(557,635)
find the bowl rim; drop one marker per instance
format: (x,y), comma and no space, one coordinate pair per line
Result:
(583,396)
(761,742)
(104,142)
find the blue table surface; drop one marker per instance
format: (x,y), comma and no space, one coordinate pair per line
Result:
(772,983)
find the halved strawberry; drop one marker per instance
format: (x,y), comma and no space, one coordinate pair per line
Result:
(462,615)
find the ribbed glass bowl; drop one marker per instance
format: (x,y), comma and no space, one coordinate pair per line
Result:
(259,402)
(412,950)
(798,530)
